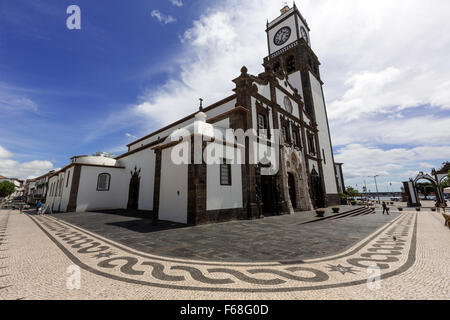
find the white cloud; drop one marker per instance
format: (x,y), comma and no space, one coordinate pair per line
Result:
(22,170)
(5,154)
(177,3)
(214,49)
(424,129)
(129,135)
(382,62)
(161,17)
(393,165)
(11,102)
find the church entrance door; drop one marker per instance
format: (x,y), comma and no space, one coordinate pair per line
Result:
(316,190)
(292,192)
(268,194)
(133,194)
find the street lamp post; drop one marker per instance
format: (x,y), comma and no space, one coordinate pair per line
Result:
(376,186)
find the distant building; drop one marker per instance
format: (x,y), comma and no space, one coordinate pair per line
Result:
(41,187)
(30,191)
(18,184)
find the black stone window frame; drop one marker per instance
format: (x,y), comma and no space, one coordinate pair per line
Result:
(108,182)
(262,112)
(296,137)
(285,131)
(311,144)
(225,173)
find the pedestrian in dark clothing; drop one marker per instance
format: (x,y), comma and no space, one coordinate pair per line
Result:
(385,208)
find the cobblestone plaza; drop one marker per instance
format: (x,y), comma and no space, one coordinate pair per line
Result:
(403,256)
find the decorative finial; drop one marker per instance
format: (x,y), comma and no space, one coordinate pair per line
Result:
(201,104)
(285,7)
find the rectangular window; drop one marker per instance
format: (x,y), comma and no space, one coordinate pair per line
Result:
(261,121)
(312,148)
(296,138)
(225,174)
(285,132)
(323,153)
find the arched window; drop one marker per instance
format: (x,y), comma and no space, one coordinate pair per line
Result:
(103,182)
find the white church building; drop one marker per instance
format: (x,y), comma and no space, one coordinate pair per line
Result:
(300,174)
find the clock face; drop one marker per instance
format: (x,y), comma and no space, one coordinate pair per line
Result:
(288,104)
(282,36)
(304,34)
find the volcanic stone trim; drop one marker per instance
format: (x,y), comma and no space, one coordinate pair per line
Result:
(223,215)
(157,183)
(72,205)
(333,199)
(196,186)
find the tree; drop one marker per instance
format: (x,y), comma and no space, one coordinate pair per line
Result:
(351,192)
(425,188)
(445,183)
(6,188)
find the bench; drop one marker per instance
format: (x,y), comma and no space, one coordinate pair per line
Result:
(447,219)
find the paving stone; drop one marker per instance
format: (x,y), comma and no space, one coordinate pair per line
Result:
(38,258)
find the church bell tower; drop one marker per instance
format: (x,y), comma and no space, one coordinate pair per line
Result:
(291,55)
(290,52)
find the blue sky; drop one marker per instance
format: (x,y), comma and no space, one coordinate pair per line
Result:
(137,65)
(76,78)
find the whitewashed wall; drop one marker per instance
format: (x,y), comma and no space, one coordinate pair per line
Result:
(50,200)
(173,189)
(66,188)
(90,199)
(280,101)
(144,160)
(224,197)
(324,138)
(295,79)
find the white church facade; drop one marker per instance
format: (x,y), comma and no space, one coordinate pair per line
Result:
(287,98)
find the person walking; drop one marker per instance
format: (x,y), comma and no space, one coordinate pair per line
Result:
(39,206)
(385,208)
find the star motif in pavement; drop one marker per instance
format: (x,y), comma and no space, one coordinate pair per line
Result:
(104,255)
(343,270)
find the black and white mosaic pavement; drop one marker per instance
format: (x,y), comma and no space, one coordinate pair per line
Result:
(104,257)
(4,283)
